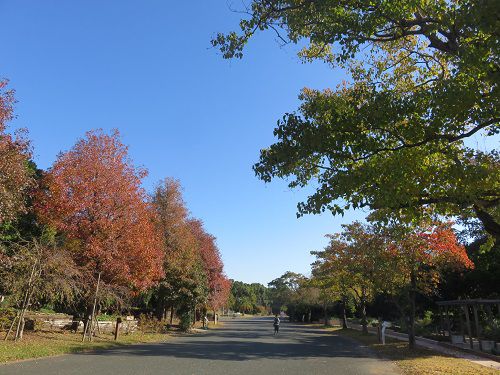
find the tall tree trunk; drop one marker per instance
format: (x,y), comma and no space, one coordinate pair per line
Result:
(364,321)
(171,315)
(325,312)
(26,302)
(90,323)
(20,320)
(411,318)
(344,313)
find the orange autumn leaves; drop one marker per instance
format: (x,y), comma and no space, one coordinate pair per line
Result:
(93,194)
(446,249)
(428,247)
(191,254)
(383,259)
(218,284)
(423,253)
(113,234)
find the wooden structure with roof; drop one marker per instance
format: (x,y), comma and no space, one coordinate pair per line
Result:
(464,307)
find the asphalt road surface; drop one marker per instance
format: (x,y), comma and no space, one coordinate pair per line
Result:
(242,346)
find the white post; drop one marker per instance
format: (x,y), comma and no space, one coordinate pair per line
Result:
(384,326)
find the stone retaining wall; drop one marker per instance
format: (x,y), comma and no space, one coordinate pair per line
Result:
(58,322)
(126,326)
(48,322)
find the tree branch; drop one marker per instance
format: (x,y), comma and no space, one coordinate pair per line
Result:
(435,137)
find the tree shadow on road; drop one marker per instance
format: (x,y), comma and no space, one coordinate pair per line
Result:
(242,343)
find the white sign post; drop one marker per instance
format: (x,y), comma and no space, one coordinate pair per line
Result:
(384,326)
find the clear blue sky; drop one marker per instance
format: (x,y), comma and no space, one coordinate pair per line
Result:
(147,68)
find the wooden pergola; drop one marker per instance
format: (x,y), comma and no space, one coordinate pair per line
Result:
(464,306)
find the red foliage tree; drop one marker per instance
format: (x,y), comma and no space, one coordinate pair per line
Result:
(179,286)
(220,296)
(218,284)
(16,178)
(418,259)
(193,268)
(172,223)
(93,194)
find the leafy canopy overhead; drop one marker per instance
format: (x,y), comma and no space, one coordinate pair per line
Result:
(424,77)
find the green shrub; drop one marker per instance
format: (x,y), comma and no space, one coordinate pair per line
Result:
(6,317)
(149,324)
(106,317)
(427,319)
(373,322)
(491,330)
(425,326)
(185,321)
(47,310)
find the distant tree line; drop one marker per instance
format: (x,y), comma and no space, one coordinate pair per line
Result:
(384,272)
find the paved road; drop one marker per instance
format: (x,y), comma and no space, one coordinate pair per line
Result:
(243,346)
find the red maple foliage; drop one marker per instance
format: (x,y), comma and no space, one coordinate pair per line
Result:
(218,284)
(424,252)
(179,244)
(93,194)
(441,246)
(419,257)
(6,104)
(220,296)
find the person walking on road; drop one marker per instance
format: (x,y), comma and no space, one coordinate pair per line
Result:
(276,324)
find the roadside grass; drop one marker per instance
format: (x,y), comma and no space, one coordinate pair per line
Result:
(419,361)
(45,344)
(219,324)
(198,327)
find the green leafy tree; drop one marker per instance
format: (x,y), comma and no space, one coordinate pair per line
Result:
(333,286)
(424,77)
(356,264)
(17,177)
(283,289)
(306,300)
(35,270)
(261,295)
(480,282)
(243,299)
(327,291)
(248,298)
